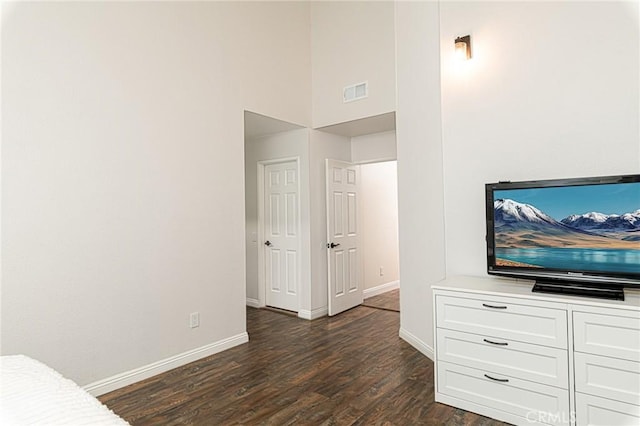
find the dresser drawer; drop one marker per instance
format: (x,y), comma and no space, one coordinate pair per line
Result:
(594,411)
(528,400)
(512,358)
(524,323)
(608,377)
(609,335)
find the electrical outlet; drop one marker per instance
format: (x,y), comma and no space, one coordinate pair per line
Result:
(381,271)
(194,320)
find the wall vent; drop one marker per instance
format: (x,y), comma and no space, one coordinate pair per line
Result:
(355,92)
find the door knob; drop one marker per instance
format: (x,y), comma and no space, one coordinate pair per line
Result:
(333,245)
(268,243)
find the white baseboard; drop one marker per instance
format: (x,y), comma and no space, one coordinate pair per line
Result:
(313,314)
(254,303)
(382,288)
(132,376)
(411,339)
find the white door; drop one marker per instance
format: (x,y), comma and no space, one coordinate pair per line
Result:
(343,233)
(281,235)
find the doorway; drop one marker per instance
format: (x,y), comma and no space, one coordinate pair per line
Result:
(362,235)
(269,139)
(379,197)
(372,146)
(279,149)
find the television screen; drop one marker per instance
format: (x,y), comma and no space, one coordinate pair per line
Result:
(585,227)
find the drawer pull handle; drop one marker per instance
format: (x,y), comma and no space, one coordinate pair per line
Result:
(496,343)
(493,306)
(497,380)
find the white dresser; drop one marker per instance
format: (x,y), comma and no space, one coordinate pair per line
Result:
(531,358)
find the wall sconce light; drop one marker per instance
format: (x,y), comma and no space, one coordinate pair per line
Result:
(463,47)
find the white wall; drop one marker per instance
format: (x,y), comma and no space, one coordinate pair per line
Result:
(351,42)
(122,172)
(533,104)
(266,50)
(379,202)
(552,91)
(374,147)
(292,144)
(420,174)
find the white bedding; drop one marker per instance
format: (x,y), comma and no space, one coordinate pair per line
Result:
(33,394)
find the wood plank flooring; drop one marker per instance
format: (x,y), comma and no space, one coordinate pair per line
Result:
(351,369)
(389,300)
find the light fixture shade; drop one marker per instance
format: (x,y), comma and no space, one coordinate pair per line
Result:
(463,47)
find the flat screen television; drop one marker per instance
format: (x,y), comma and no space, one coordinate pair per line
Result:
(575,236)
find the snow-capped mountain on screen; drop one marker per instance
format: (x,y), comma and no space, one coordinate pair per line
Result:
(594,221)
(507,211)
(520,225)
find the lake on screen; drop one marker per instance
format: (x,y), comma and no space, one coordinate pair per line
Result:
(576,259)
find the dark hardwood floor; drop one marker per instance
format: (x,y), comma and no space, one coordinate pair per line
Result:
(389,300)
(351,369)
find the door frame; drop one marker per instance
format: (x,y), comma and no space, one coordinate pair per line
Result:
(262,288)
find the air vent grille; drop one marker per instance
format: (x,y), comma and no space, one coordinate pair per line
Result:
(355,92)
